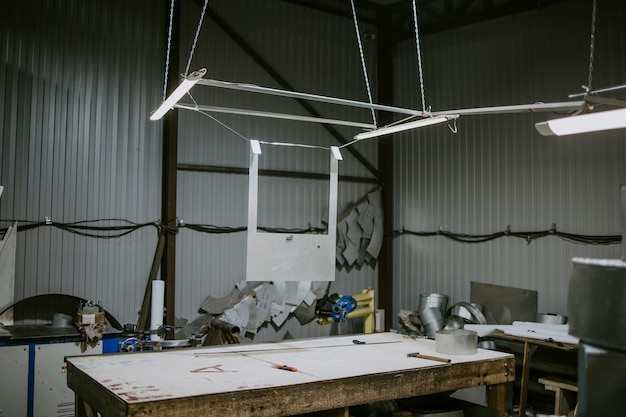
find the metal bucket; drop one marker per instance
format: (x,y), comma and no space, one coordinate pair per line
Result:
(456,342)
(62,320)
(550,318)
(435,300)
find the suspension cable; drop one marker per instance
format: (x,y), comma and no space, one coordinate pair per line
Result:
(419,55)
(358,38)
(167,54)
(591,48)
(195,39)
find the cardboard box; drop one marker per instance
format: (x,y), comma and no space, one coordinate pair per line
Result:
(90,318)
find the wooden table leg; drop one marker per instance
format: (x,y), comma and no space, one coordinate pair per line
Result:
(81,408)
(496,398)
(524,380)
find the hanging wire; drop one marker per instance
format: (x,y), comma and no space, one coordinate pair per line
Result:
(591,48)
(167,54)
(367,81)
(419,55)
(195,40)
(224,125)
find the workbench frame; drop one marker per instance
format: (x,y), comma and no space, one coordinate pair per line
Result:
(529,343)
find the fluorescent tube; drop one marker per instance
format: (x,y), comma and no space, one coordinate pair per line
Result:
(591,122)
(182,89)
(387,130)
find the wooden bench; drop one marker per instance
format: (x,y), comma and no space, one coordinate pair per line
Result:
(564,389)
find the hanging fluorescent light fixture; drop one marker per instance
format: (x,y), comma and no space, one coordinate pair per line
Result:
(591,122)
(388,130)
(182,89)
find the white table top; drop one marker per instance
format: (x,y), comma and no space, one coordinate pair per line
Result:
(177,373)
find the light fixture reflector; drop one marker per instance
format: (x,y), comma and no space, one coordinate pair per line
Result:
(584,123)
(388,130)
(182,89)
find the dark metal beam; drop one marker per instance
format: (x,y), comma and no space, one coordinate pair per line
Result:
(385,165)
(170,163)
(463,13)
(367,11)
(273,173)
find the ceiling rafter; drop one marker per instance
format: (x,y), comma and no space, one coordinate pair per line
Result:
(434,15)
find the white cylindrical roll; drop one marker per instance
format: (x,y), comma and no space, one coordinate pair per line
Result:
(156,313)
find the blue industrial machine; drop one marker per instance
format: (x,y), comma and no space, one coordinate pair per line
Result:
(342,307)
(36,334)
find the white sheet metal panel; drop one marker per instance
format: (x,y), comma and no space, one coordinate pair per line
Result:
(498,170)
(77,82)
(290,256)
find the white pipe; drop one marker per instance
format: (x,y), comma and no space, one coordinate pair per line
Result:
(157,308)
(273,115)
(518,108)
(251,88)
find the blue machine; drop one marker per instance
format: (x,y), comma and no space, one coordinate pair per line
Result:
(342,307)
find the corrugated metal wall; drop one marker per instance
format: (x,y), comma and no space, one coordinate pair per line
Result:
(77,81)
(498,171)
(315,53)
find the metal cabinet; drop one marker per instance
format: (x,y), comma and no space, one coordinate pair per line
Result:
(14,381)
(51,396)
(34,379)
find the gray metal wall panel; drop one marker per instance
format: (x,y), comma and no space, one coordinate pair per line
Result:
(316,53)
(212,264)
(77,86)
(78,82)
(498,170)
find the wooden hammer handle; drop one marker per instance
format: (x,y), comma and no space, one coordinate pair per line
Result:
(430,358)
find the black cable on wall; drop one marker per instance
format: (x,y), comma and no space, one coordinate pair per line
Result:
(90,228)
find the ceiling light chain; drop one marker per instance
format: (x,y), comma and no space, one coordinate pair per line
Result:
(367,82)
(591,48)
(195,40)
(419,55)
(167,55)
